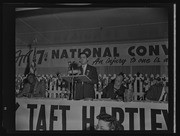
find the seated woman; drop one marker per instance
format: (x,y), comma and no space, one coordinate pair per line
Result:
(107,122)
(33,88)
(154,92)
(157,92)
(115,90)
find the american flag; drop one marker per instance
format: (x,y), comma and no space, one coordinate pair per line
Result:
(27,69)
(31,68)
(33,63)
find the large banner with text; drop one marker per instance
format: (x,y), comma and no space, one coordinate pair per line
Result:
(133,54)
(55,114)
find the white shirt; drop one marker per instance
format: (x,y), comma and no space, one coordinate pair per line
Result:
(84,68)
(162,94)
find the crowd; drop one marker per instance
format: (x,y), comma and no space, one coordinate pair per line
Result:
(118,87)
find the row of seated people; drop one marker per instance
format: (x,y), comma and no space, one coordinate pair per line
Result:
(104,77)
(52,81)
(31,86)
(157,91)
(34,88)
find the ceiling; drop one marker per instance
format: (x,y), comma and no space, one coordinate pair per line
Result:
(60,26)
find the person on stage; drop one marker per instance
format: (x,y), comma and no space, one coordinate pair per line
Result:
(107,122)
(33,88)
(85,90)
(115,89)
(157,92)
(61,82)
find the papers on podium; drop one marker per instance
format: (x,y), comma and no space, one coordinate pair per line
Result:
(82,78)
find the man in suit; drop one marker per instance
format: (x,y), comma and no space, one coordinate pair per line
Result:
(86,89)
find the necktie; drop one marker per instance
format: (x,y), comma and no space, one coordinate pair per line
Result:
(83,69)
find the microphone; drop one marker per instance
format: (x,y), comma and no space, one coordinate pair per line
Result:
(35,40)
(69,62)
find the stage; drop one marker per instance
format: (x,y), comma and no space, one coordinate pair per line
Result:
(61,114)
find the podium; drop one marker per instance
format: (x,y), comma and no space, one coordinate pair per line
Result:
(82,78)
(72,78)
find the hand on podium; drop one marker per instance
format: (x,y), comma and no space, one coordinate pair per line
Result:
(73,72)
(79,72)
(82,78)
(88,81)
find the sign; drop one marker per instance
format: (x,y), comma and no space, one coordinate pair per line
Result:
(132,54)
(56,114)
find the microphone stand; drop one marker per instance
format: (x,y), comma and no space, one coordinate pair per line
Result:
(72,85)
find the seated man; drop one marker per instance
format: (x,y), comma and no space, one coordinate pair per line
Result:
(33,88)
(107,122)
(115,90)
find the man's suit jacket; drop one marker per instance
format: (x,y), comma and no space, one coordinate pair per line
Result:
(86,89)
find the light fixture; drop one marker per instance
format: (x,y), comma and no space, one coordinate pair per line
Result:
(23,9)
(74,4)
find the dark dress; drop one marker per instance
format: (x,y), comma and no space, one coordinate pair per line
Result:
(86,89)
(37,89)
(113,93)
(154,92)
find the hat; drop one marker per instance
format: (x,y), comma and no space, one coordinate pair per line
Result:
(106,117)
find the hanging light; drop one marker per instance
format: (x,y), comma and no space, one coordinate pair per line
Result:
(74,4)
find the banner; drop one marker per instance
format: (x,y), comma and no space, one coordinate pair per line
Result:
(132,54)
(57,114)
